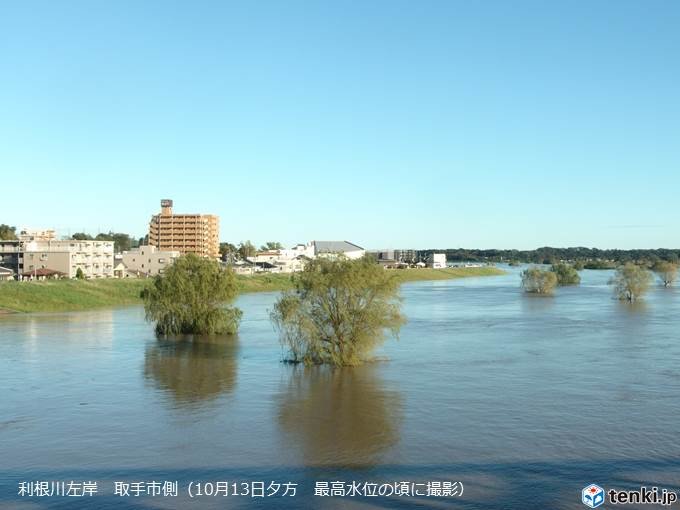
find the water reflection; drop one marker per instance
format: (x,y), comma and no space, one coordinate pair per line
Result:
(193,368)
(340,417)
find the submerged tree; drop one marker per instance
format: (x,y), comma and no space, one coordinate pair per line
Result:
(338,311)
(667,272)
(191,297)
(538,281)
(631,282)
(566,274)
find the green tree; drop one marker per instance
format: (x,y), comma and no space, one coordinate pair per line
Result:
(81,236)
(228,252)
(666,271)
(79,274)
(192,297)
(246,250)
(538,281)
(7,233)
(631,282)
(566,274)
(338,311)
(271,245)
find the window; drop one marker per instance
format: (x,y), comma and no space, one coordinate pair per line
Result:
(161,261)
(142,265)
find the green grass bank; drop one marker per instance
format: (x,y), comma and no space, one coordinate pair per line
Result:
(74,295)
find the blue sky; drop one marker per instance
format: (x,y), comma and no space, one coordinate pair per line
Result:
(392,124)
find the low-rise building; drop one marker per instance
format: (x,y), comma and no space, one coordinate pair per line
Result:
(6,274)
(37,235)
(148,260)
(10,255)
(408,256)
(436,260)
(93,258)
(330,248)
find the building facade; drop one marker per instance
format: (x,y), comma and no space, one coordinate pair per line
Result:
(10,255)
(436,260)
(94,258)
(148,260)
(332,248)
(408,256)
(185,233)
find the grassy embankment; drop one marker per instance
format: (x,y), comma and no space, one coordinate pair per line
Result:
(73,295)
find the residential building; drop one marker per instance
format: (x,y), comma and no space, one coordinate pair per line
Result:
(94,258)
(436,260)
(37,235)
(330,248)
(409,256)
(6,274)
(10,255)
(185,233)
(382,254)
(148,260)
(279,261)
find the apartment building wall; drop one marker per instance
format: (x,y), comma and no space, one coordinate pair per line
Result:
(94,258)
(149,260)
(186,233)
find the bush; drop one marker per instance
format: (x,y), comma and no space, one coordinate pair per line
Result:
(79,274)
(190,297)
(338,311)
(667,272)
(566,274)
(631,282)
(538,281)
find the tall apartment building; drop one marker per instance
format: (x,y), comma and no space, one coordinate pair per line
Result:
(185,233)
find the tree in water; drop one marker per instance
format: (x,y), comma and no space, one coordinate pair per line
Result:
(666,271)
(338,311)
(538,281)
(192,297)
(631,282)
(566,274)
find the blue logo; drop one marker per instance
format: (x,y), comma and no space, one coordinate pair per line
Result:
(592,496)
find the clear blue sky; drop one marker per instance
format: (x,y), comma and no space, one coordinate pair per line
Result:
(388,123)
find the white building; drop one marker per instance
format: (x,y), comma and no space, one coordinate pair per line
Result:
(94,258)
(37,235)
(148,260)
(330,248)
(279,261)
(436,260)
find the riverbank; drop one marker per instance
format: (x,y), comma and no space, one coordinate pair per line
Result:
(75,295)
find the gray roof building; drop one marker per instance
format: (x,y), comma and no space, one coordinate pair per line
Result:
(335,247)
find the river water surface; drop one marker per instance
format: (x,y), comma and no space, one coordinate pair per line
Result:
(524,400)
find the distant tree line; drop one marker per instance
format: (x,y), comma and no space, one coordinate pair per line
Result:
(591,258)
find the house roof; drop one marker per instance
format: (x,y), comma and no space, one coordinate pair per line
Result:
(43,271)
(335,247)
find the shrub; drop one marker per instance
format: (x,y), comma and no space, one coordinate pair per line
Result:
(190,297)
(631,282)
(566,274)
(538,281)
(338,311)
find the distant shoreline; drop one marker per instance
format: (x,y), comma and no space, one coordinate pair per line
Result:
(74,295)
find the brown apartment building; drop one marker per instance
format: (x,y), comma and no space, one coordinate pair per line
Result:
(185,233)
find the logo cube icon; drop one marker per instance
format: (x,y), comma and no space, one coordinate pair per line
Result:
(592,496)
